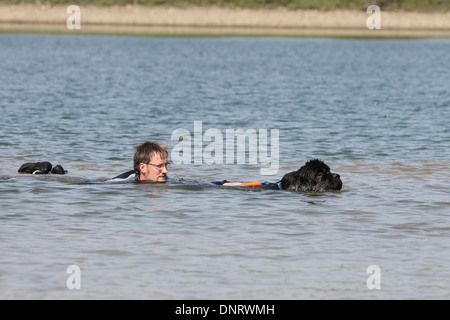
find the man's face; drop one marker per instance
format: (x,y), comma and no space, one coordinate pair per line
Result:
(155,170)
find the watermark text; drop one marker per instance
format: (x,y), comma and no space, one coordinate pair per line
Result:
(74,20)
(374,21)
(235,146)
(74,280)
(374,280)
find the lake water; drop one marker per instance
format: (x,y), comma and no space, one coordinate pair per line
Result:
(376,111)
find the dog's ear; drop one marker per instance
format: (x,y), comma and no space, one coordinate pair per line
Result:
(295,181)
(307,173)
(290,181)
(311,168)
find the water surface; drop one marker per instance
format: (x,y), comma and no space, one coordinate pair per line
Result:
(376,111)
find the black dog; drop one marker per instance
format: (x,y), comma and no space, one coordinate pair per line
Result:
(41,168)
(315,176)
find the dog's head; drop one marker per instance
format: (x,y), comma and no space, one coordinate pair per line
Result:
(315,176)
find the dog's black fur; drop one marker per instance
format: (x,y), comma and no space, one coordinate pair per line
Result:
(41,168)
(314,176)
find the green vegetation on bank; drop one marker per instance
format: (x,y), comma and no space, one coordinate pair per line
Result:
(415,5)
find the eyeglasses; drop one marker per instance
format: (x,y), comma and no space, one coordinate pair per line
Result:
(160,166)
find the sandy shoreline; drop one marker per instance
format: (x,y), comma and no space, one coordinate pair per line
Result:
(215,21)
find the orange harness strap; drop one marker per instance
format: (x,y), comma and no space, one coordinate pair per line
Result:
(252,184)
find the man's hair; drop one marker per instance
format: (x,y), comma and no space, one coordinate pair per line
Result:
(145,152)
